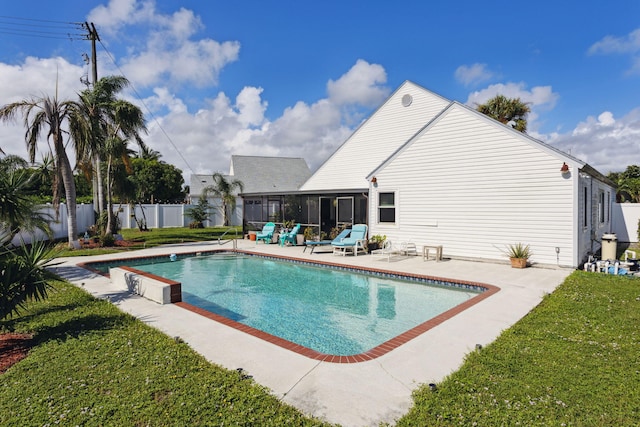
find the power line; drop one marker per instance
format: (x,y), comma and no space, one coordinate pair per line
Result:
(39,20)
(41,28)
(29,27)
(148,110)
(43,34)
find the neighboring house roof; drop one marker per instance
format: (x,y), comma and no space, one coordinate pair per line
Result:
(260,174)
(397,120)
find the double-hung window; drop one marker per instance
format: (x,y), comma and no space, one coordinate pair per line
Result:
(387,207)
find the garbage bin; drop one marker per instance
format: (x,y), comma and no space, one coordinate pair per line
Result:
(609,246)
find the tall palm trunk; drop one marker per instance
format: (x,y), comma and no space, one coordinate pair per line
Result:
(99,183)
(110,219)
(69,190)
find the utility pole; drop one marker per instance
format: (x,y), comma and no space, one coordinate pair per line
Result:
(93,36)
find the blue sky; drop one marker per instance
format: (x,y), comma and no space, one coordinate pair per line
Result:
(295,78)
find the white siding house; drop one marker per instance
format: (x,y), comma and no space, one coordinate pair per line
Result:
(403,114)
(430,171)
(473,185)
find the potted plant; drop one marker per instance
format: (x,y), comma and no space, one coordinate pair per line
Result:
(519,254)
(288,224)
(375,242)
(308,233)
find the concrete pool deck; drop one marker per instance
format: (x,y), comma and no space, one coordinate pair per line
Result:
(353,394)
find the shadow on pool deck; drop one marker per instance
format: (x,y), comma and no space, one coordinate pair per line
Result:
(361,394)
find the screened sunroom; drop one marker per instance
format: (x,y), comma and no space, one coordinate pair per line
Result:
(325,214)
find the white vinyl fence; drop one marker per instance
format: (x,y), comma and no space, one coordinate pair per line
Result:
(157,216)
(625,217)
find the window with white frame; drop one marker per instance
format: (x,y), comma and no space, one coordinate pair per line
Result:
(387,207)
(585,208)
(601,206)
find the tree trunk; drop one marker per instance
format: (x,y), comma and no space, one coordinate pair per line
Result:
(109,228)
(225,217)
(70,194)
(99,183)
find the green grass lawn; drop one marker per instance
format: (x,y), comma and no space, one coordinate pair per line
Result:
(155,237)
(573,361)
(164,236)
(94,365)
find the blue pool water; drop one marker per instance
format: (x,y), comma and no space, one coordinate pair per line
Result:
(331,311)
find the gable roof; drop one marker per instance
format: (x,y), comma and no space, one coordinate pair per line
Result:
(259,174)
(402,115)
(561,155)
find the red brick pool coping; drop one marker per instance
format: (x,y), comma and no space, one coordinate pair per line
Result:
(375,352)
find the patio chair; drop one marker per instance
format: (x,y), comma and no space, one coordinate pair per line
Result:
(354,243)
(313,244)
(267,233)
(387,250)
(290,236)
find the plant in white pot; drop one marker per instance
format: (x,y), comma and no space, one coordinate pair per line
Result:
(375,242)
(519,254)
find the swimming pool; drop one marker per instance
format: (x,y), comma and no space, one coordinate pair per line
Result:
(340,312)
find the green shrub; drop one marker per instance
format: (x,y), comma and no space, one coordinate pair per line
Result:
(107,240)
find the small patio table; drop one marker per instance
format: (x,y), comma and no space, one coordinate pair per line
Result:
(426,249)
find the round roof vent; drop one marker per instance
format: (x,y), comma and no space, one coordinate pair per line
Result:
(407,100)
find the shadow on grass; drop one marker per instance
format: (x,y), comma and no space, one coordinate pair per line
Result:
(35,311)
(77,326)
(68,313)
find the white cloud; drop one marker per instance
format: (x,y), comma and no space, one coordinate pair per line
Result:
(166,53)
(629,44)
(34,78)
(208,138)
(473,74)
(361,85)
(118,13)
(610,44)
(606,143)
(539,98)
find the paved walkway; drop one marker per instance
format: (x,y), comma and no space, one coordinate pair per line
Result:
(356,394)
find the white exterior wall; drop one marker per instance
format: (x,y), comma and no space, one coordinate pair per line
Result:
(383,133)
(626,217)
(598,222)
(474,187)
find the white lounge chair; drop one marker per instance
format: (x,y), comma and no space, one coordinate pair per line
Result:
(386,250)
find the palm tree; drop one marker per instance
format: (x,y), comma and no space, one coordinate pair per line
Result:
(18,211)
(118,154)
(224,190)
(24,274)
(98,116)
(628,183)
(40,114)
(507,111)
(149,154)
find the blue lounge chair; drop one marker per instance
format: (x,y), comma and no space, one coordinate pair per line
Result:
(267,233)
(313,244)
(355,242)
(290,236)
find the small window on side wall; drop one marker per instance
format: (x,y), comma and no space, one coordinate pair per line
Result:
(386,207)
(601,207)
